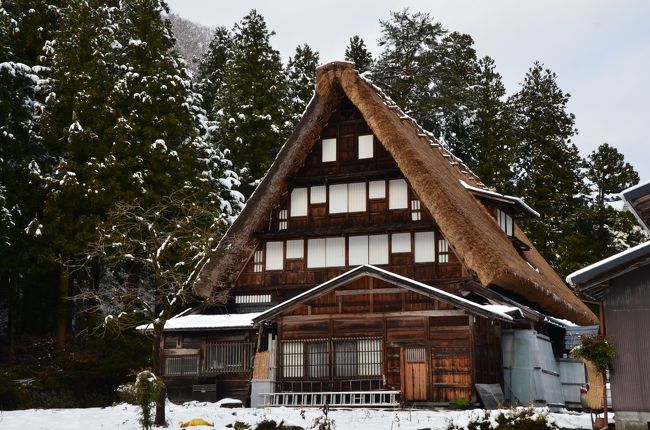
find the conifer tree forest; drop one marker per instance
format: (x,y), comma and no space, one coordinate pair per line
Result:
(99,108)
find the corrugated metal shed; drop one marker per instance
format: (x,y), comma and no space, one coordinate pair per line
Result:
(530,372)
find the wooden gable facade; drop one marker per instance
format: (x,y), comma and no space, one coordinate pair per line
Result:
(360,185)
(344,212)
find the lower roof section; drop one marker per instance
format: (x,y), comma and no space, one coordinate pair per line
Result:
(504,313)
(200,322)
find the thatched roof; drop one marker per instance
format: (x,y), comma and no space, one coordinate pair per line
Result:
(434,174)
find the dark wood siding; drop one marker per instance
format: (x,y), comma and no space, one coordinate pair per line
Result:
(627,314)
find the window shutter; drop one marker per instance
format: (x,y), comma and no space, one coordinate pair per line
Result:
(425,248)
(299,202)
(366,146)
(335,251)
(329,150)
(357,197)
(316,253)
(377,190)
(274,255)
(358,252)
(378,249)
(338,198)
(401,242)
(397,194)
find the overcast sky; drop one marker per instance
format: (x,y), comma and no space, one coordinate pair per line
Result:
(599,49)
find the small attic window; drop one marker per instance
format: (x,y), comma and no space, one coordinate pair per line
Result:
(329,150)
(366,146)
(505,222)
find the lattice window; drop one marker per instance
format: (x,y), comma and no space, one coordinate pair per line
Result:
(416,212)
(253,298)
(182,365)
(229,357)
(443,251)
(310,359)
(258,264)
(282,217)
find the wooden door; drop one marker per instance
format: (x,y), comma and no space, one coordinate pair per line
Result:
(414,373)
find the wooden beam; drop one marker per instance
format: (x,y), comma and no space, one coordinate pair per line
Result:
(341,231)
(364,292)
(431,313)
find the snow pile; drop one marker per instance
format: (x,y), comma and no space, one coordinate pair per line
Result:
(125,417)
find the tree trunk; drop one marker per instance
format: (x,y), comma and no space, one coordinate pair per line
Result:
(62,322)
(157,368)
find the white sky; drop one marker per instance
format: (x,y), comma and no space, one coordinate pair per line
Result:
(599,49)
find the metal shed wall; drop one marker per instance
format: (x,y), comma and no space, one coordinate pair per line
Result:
(627,315)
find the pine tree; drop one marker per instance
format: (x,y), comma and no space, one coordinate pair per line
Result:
(548,164)
(608,173)
(454,87)
(25,25)
(601,230)
(491,130)
(252,112)
(357,53)
(405,69)
(212,69)
(301,81)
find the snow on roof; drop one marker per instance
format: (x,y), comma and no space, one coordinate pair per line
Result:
(496,310)
(608,263)
(633,193)
(516,200)
(207,322)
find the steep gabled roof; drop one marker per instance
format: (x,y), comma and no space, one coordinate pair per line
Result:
(434,174)
(504,313)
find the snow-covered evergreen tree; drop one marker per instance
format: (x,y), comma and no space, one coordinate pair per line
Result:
(301,81)
(357,53)
(251,115)
(212,70)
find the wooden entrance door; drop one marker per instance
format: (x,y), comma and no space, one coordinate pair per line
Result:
(414,371)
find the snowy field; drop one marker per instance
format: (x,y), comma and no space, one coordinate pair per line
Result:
(125,417)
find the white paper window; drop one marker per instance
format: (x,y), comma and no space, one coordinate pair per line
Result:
(318,194)
(357,197)
(338,198)
(443,251)
(416,215)
(505,222)
(378,249)
(401,242)
(425,247)
(365,146)
(253,298)
(397,194)
(335,251)
(377,190)
(299,202)
(358,252)
(315,253)
(329,150)
(295,248)
(274,255)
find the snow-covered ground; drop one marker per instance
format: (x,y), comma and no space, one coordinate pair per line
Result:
(125,417)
